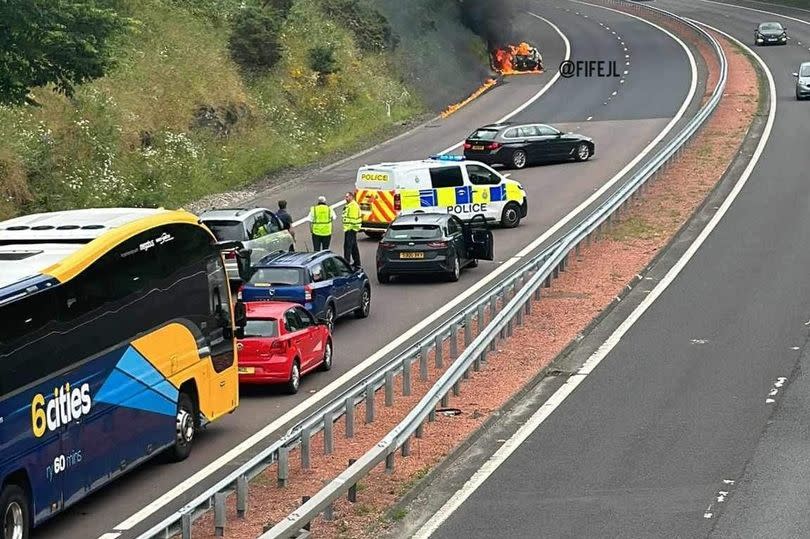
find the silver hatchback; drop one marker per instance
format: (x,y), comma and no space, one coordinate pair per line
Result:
(258,230)
(803,81)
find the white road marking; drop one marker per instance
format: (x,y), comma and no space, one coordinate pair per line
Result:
(757,10)
(503,453)
(227,457)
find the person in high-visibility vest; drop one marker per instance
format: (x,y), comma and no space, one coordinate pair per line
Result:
(321,217)
(352,219)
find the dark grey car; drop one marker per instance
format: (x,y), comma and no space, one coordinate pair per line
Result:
(519,145)
(803,81)
(770,33)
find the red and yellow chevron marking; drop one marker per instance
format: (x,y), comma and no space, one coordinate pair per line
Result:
(381,203)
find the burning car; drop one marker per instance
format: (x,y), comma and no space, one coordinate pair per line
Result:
(520,58)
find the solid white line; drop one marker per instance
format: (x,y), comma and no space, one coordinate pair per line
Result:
(312,401)
(776,4)
(500,456)
(757,10)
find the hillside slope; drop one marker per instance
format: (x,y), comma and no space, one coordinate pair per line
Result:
(177,118)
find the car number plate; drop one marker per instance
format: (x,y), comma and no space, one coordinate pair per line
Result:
(246,370)
(412,255)
(477,147)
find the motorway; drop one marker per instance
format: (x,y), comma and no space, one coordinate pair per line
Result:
(694,424)
(622,128)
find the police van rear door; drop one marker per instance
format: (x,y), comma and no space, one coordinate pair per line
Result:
(374,188)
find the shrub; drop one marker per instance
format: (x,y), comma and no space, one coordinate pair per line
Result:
(371,29)
(254,41)
(322,61)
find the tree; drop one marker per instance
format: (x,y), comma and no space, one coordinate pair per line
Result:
(322,61)
(254,41)
(60,42)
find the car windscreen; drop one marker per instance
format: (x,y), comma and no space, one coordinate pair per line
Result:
(484,134)
(261,327)
(277,276)
(770,26)
(227,230)
(805,71)
(413,232)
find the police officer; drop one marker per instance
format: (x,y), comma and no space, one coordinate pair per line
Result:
(321,217)
(351,226)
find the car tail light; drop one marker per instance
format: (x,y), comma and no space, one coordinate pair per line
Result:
(230,255)
(493,145)
(307,292)
(467,145)
(386,245)
(239,292)
(397,201)
(437,244)
(279,346)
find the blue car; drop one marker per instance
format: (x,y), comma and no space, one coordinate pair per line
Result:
(323,282)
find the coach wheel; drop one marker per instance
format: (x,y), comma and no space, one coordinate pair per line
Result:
(511,215)
(519,159)
(185,428)
(583,152)
(15,513)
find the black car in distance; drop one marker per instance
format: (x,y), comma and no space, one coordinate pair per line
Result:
(770,33)
(432,243)
(518,145)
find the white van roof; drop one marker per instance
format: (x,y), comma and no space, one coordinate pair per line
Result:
(405,166)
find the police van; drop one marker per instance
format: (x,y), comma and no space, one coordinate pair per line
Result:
(445,183)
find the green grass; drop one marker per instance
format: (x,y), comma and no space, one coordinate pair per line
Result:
(131,138)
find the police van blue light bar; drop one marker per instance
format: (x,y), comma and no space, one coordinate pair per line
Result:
(448,157)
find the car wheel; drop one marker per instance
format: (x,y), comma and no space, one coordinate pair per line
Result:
(510,218)
(329,315)
(583,152)
(295,378)
(519,159)
(15,513)
(365,304)
(383,278)
(327,356)
(185,428)
(455,271)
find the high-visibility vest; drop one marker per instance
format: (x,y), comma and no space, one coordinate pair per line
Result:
(321,216)
(352,219)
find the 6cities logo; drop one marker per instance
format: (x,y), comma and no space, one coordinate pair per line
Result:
(66,405)
(589,68)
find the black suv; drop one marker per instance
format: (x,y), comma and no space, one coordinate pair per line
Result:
(516,146)
(431,243)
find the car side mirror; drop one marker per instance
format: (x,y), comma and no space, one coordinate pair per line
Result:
(796,75)
(239,314)
(243,263)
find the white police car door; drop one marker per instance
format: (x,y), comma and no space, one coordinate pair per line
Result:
(488,190)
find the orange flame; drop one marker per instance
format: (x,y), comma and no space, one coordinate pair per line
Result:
(503,60)
(484,87)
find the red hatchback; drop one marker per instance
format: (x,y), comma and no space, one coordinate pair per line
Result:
(282,342)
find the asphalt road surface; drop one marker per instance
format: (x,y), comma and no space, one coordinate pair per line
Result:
(658,67)
(673,434)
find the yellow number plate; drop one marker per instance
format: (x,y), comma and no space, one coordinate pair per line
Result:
(246,370)
(412,255)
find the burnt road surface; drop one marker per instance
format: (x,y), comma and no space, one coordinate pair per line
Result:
(656,65)
(695,424)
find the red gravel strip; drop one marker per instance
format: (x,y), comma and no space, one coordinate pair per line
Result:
(582,292)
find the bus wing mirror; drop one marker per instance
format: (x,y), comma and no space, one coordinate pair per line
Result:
(239,314)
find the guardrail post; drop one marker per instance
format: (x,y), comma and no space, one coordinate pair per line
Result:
(328,436)
(538,294)
(467,329)
(305,499)
(457,387)
(241,496)
(432,414)
(444,403)
(509,324)
(389,388)
(519,316)
(466,373)
(185,526)
(453,342)
(547,282)
(437,355)
(563,262)
(352,494)
(477,362)
(329,510)
(283,465)
(406,376)
(389,463)
(423,362)
(219,514)
(349,415)
(420,430)
(556,272)
(406,447)
(481,322)
(369,404)
(306,437)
